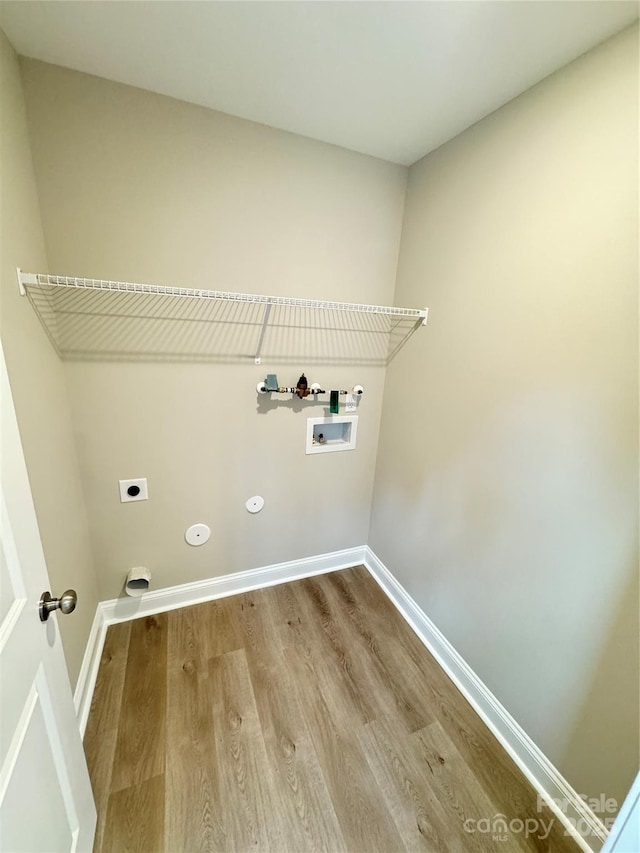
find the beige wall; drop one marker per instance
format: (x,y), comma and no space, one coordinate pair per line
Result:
(140,187)
(506,493)
(37,377)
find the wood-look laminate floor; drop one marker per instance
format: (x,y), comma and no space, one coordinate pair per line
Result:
(302,717)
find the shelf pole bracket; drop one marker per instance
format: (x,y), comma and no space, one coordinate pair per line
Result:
(265,322)
(25,278)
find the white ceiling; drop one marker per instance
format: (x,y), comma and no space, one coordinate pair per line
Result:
(391,79)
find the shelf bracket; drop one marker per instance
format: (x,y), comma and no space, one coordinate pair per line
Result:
(265,322)
(25,278)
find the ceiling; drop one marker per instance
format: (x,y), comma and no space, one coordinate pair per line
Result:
(390,79)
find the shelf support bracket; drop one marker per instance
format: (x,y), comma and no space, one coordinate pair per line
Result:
(265,323)
(25,278)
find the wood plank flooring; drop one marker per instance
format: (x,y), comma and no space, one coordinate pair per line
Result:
(303,717)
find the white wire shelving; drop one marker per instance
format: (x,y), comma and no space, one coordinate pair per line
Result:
(97,319)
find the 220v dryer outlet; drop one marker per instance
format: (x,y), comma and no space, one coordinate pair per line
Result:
(133,490)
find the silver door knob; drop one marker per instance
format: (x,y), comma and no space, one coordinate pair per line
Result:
(66,603)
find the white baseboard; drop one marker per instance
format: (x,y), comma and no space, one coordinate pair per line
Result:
(171,597)
(540,772)
(544,777)
(89,670)
(158,601)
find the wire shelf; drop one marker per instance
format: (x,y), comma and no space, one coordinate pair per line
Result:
(116,320)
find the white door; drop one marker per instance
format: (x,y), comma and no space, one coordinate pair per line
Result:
(625,832)
(46,804)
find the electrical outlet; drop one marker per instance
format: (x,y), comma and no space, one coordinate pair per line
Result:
(133,490)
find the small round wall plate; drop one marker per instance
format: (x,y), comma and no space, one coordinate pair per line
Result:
(197,534)
(255,503)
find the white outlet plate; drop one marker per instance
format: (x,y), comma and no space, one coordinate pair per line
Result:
(140,483)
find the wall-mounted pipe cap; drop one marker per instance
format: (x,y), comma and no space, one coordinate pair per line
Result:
(197,534)
(255,504)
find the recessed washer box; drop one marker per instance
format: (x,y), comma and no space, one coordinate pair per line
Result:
(326,435)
